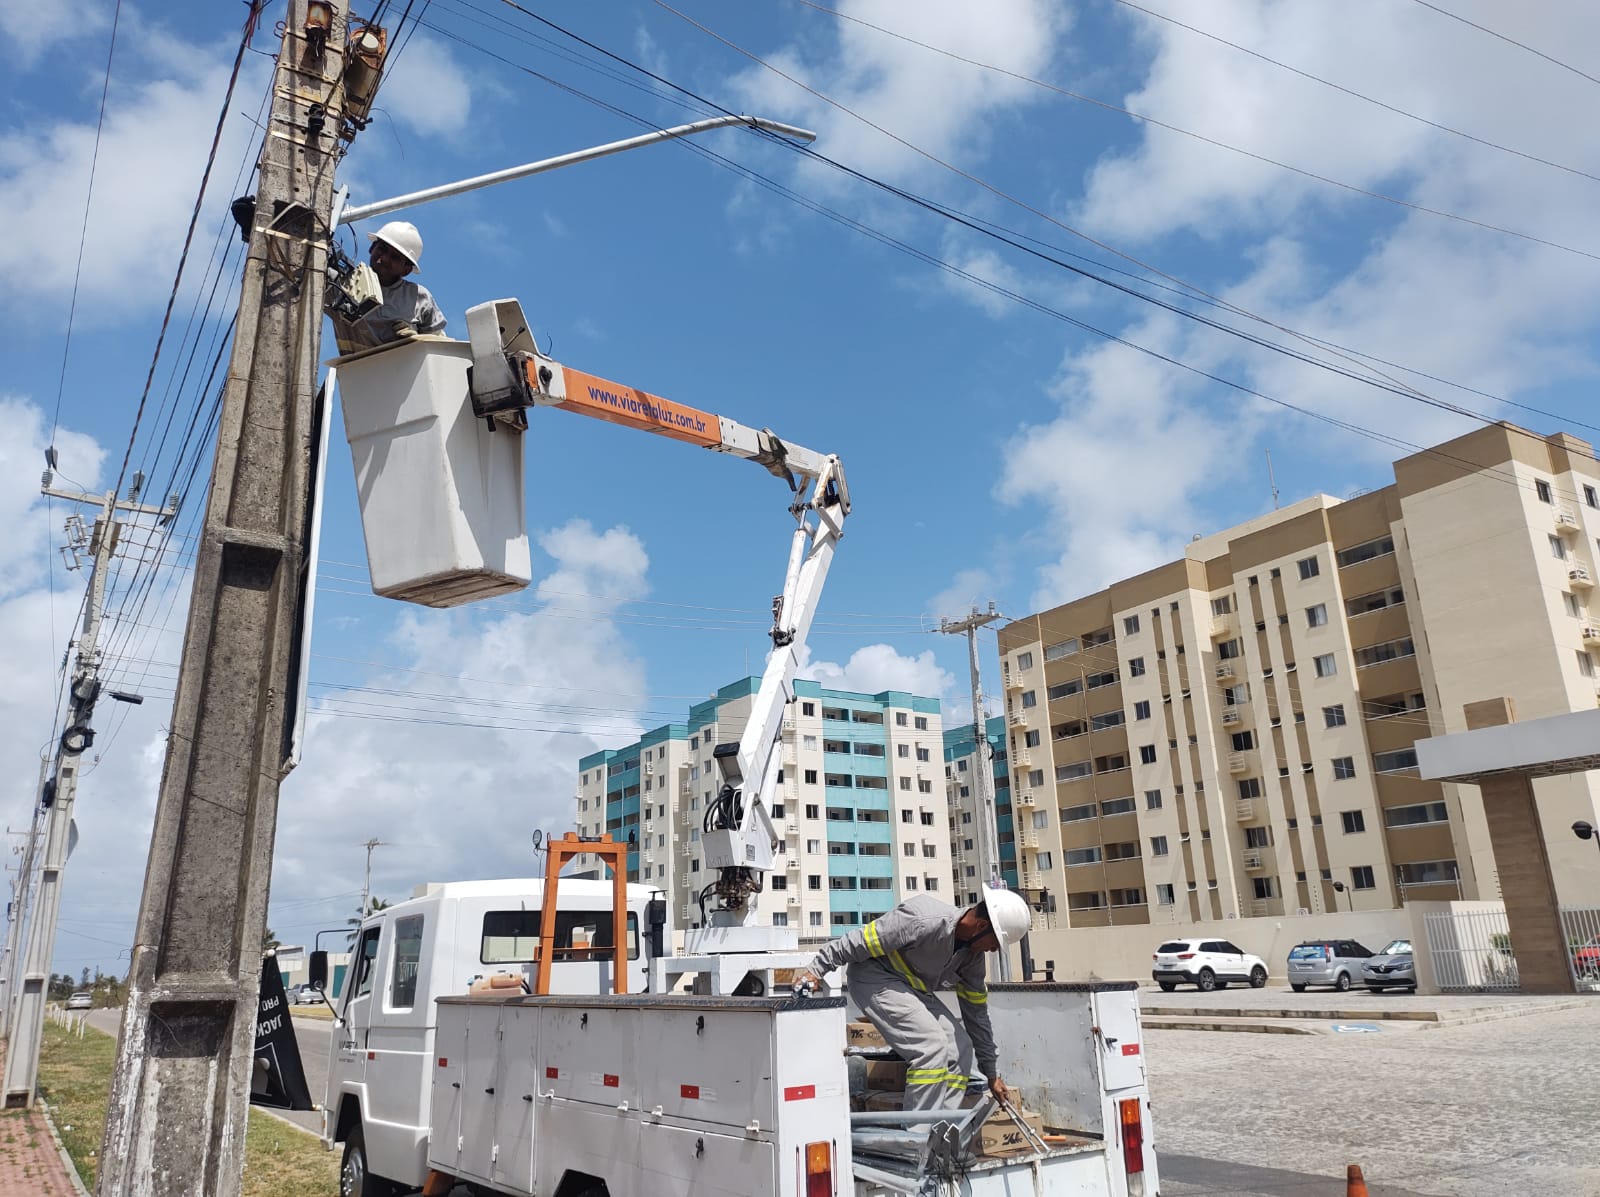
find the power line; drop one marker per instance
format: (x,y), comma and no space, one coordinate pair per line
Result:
(1508,40)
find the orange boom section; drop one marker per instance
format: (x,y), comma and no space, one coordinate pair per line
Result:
(633,408)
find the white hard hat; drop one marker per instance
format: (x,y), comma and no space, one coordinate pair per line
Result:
(402,237)
(1009,915)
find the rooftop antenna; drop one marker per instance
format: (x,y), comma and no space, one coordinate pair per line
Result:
(1271,481)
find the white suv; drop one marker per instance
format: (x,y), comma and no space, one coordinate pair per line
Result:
(1206,964)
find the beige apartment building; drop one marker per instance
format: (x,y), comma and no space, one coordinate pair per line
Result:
(1230,734)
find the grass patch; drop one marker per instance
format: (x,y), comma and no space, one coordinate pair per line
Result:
(75,1078)
(317,1011)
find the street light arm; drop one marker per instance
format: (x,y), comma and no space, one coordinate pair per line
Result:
(351,214)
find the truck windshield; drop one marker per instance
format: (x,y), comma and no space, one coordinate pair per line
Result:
(512,936)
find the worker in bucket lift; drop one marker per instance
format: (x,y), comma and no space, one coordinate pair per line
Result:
(897,964)
(407,308)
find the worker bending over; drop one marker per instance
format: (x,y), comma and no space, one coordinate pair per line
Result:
(898,963)
(407,308)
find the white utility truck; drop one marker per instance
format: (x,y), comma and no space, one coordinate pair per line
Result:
(529,1038)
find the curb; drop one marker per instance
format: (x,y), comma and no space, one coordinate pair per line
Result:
(1275,1027)
(61,1149)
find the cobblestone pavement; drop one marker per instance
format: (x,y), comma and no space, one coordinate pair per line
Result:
(1478,1110)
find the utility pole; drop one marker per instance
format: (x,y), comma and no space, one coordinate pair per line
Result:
(983,782)
(366,886)
(179,1091)
(57,795)
(21,903)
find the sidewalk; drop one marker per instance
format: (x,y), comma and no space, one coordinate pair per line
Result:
(30,1162)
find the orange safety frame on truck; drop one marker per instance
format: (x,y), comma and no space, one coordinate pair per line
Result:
(614,854)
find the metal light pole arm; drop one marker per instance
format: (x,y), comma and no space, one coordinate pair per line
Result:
(361,211)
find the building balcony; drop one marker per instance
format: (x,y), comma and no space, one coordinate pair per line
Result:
(1261,908)
(1238,762)
(1254,860)
(1032,878)
(1025,798)
(1013,678)
(1024,756)
(1245,810)
(1231,717)
(1579,575)
(1016,718)
(1028,837)
(1222,626)
(1224,671)
(1566,520)
(1590,634)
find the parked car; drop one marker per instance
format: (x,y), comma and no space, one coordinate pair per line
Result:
(1392,968)
(1206,964)
(1334,962)
(82,1000)
(305,995)
(1586,958)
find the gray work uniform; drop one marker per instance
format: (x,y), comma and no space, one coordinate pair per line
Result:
(896,965)
(405,303)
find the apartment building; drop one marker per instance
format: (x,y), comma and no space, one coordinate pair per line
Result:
(1230,734)
(961,762)
(861,808)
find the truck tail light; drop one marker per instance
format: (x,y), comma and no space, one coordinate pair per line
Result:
(819,1169)
(1132,1136)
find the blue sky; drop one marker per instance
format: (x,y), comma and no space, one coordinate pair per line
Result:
(996,448)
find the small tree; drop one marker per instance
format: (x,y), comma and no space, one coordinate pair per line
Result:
(270,942)
(373,906)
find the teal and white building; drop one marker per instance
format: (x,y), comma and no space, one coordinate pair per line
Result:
(861,811)
(961,762)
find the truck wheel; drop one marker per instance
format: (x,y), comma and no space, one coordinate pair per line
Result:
(1258,977)
(1342,982)
(1207,980)
(354,1179)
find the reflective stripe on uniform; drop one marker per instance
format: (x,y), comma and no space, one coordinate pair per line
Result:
(977,997)
(874,941)
(956,1080)
(904,969)
(926,1076)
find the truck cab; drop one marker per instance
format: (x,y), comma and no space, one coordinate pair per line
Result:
(444,941)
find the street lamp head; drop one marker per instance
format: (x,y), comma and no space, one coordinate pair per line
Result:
(1583,830)
(1338,886)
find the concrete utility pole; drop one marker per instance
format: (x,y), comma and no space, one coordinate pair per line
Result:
(366,886)
(983,782)
(56,796)
(21,903)
(179,1093)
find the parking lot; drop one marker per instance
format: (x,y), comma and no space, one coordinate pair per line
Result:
(1457,1109)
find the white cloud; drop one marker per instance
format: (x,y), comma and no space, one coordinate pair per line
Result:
(927,99)
(152,151)
(34,28)
(879,667)
(428,90)
(969,588)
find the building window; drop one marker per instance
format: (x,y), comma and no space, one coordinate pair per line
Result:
(1361,877)
(1344,768)
(1381,547)
(810,777)
(1542,489)
(1309,568)
(1117,806)
(1030,699)
(1257,837)
(920,723)
(1243,741)
(1570,601)
(1045,860)
(1325,665)
(1333,716)
(1354,822)
(1025,660)
(808,708)
(924,786)
(1585,664)
(1130,625)
(1393,762)
(1030,739)
(905,783)
(908,816)
(1590,497)
(927,818)
(1317,617)
(1152,800)
(1147,754)
(1077,814)
(911,883)
(1141,710)
(1081,856)
(1158,845)
(1074,770)
(900,719)
(1558,548)
(1416,815)
(1426,872)
(1062,648)
(1222,606)
(1164,895)
(1227,650)
(1136,667)
(1265,887)
(923,754)
(1250,787)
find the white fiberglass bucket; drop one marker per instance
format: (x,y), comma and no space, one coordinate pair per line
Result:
(442,499)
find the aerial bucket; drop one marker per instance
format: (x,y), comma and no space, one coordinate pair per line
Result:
(442,499)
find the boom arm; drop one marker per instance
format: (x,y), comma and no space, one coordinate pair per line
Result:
(511,375)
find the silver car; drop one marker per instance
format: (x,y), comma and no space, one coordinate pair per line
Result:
(1333,962)
(1392,968)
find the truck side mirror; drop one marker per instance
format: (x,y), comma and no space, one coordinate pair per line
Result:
(319,970)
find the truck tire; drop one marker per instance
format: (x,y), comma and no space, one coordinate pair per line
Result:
(354,1178)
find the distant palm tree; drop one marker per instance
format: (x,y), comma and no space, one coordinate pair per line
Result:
(373,906)
(270,943)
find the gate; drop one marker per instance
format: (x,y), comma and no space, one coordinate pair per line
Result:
(1582,927)
(1471,951)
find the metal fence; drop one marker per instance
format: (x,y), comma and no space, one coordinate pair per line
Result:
(1582,927)
(1471,951)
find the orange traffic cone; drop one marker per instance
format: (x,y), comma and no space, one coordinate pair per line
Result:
(1355,1185)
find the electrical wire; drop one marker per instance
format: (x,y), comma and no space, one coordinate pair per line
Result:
(1443,12)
